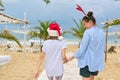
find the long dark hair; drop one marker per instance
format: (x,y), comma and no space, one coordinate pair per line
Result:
(89,17)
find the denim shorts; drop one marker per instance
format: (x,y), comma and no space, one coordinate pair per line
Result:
(84,72)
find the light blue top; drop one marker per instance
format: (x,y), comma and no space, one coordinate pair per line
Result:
(91,51)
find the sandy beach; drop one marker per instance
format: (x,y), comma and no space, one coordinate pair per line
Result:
(21,67)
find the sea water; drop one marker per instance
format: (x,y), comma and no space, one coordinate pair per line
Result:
(71,40)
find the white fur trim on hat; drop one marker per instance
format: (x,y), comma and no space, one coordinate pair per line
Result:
(60,37)
(52,32)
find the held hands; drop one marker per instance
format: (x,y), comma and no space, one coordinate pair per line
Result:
(65,60)
(68,59)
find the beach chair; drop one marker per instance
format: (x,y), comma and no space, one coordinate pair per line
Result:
(36,48)
(112,49)
(9,47)
(4,59)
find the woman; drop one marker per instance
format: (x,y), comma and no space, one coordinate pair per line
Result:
(91,52)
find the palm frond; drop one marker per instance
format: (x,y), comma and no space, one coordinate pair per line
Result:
(76,23)
(77,31)
(47,1)
(82,28)
(40,31)
(65,32)
(113,23)
(37,28)
(6,35)
(1,4)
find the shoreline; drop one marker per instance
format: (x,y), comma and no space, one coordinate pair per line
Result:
(69,42)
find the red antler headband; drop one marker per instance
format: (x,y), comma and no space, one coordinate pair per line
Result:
(80,9)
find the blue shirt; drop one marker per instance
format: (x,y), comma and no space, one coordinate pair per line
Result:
(91,51)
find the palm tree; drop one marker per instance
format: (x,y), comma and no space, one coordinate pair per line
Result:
(77,31)
(6,35)
(47,1)
(40,31)
(107,25)
(112,23)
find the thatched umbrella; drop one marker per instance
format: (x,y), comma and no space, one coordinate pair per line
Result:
(6,19)
(109,23)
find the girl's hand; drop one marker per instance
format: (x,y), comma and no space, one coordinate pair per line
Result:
(36,74)
(65,61)
(70,58)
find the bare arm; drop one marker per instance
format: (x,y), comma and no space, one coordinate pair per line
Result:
(36,74)
(64,55)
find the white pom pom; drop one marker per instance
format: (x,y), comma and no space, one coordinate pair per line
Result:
(60,37)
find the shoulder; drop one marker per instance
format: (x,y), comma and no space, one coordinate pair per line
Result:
(63,41)
(101,31)
(87,32)
(46,41)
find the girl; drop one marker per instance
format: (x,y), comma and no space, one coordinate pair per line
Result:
(54,52)
(91,53)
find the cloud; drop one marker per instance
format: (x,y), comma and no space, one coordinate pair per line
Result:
(63,10)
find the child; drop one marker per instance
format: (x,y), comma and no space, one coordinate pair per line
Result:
(54,51)
(91,53)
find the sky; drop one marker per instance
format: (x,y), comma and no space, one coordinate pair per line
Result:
(62,11)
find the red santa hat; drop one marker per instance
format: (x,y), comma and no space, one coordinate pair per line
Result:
(55,30)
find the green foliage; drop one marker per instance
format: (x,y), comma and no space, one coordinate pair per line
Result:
(6,35)
(77,31)
(112,23)
(1,4)
(40,31)
(47,1)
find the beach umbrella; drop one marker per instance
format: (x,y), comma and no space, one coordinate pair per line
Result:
(19,31)
(109,23)
(6,19)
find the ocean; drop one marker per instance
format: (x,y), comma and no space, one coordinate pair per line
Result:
(71,40)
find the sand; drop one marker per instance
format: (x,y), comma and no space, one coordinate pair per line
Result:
(112,67)
(22,67)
